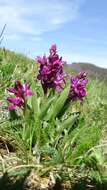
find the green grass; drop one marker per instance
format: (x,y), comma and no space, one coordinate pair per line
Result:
(72,143)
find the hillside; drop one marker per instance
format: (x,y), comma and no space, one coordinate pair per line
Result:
(14,66)
(92,70)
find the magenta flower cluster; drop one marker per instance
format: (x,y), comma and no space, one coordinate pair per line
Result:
(78,86)
(20,93)
(51,72)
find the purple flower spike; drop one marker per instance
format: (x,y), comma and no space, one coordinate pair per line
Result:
(51,72)
(78,87)
(20,92)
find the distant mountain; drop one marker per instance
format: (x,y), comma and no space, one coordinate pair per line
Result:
(90,69)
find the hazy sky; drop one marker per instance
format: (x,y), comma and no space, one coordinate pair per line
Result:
(78,27)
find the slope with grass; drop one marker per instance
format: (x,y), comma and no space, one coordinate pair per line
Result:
(14,66)
(92,70)
(46,148)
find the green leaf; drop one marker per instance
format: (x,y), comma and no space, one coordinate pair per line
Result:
(69,122)
(45,107)
(36,105)
(58,105)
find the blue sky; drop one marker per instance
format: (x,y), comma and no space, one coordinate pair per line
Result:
(78,27)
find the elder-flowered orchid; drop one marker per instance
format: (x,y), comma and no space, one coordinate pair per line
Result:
(78,86)
(51,72)
(20,93)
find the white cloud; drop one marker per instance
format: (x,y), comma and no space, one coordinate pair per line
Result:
(35,17)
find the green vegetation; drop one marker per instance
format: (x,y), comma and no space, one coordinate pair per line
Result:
(69,146)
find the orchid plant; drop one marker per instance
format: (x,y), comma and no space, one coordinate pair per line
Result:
(47,122)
